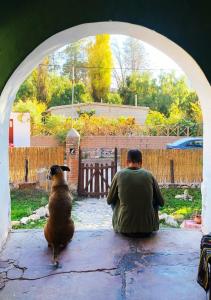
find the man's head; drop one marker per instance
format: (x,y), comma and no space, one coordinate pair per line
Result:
(134,158)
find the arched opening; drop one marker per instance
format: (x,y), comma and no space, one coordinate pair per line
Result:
(182,58)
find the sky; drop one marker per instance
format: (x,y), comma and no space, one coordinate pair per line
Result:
(154,57)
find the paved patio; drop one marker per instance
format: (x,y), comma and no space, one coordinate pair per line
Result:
(99,264)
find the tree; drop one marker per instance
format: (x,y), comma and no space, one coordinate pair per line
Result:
(43,88)
(129,58)
(61,91)
(37,85)
(160,94)
(99,66)
(142,85)
(76,57)
(28,88)
(133,54)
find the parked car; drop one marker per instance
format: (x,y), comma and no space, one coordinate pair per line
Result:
(187,143)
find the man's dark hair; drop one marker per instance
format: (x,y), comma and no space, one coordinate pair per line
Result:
(134,156)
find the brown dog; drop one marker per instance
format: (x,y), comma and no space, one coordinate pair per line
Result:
(60,227)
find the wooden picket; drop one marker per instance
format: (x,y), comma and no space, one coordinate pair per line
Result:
(38,157)
(95,177)
(171,166)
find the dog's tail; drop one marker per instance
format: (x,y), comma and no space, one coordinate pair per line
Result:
(55,255)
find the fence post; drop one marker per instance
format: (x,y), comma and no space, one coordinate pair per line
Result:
(172,170)
(188,131)
(72,154)
(115,159)
(26,169)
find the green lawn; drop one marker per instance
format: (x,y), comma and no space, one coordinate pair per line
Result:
(181,209)
(24,202)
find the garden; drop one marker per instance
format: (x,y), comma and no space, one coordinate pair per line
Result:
(25,202)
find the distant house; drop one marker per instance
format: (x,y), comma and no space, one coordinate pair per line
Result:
(19,130)
(102,109)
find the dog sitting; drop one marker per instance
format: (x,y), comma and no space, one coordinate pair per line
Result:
(59,229)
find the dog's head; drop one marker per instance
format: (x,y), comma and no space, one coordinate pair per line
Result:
(55,170)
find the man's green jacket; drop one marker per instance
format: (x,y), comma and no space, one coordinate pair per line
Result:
(136,198)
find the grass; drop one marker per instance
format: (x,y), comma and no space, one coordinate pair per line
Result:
(24,202)
(181,209)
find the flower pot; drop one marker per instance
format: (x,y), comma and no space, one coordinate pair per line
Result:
(197,219)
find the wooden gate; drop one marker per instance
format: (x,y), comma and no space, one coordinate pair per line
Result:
(95,176)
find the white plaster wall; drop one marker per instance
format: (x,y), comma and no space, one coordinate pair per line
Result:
(102,109)
(21,129)
(182,58)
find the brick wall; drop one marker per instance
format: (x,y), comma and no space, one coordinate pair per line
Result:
(143,142)
(44,141)
(146,142)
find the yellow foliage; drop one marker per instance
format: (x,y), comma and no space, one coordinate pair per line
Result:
(100,63)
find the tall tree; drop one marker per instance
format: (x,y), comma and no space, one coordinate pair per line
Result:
(76,57)
(129,57)
(99,66)
(133,54)
(43,88)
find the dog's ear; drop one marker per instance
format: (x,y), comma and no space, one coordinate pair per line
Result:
(54,170)
(65,168)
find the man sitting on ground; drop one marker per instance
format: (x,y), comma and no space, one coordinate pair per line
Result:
(135,198)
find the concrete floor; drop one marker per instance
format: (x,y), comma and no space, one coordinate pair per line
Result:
(102,265)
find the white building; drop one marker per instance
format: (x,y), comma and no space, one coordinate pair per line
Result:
(19,130)
(102,109)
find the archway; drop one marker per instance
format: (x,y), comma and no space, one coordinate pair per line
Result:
(183,59)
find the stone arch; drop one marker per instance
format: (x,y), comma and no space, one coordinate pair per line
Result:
(175,52)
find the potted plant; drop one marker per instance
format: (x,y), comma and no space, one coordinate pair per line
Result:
(197,217)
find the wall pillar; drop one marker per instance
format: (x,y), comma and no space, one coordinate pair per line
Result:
(206,184)
(72,156)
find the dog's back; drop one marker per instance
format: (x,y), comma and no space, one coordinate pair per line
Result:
(59,229)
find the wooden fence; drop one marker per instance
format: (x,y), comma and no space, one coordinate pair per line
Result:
(171,166)
(37,157)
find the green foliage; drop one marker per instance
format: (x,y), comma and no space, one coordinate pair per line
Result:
(28,88)
(100,63)
(164,94)
(155,118)
(89,113)
(113,98)
(61,93)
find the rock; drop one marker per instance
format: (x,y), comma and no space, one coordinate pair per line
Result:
(24,220)
(163,217)
(179,197)
(184,196)
(171,221)
(15,223)
(34,217)
(41,212)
